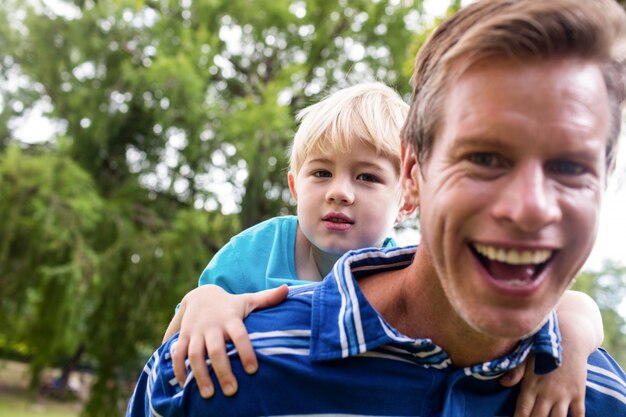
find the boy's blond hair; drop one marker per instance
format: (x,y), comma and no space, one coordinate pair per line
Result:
(372,113)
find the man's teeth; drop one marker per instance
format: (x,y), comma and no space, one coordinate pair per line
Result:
(513,256)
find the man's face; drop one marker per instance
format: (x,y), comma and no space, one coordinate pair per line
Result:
(511,193)
(346,201)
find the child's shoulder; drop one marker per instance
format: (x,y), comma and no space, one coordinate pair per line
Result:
(279,224)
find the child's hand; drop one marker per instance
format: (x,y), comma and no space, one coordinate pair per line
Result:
(208,317)
(550,395)
(580,323)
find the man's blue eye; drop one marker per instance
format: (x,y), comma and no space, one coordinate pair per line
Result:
(566,168)
(484,159)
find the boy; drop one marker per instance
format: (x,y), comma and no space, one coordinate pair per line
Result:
(344,176)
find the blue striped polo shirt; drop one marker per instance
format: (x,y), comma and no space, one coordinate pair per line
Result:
(326,351)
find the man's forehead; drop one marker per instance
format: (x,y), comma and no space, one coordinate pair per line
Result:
(504,99)
(565,81)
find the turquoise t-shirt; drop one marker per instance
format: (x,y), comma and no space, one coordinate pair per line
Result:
(256,259)
(259,258)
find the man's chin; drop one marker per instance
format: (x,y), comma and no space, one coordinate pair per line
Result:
(515,327)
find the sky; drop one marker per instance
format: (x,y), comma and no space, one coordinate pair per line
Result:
(611,243)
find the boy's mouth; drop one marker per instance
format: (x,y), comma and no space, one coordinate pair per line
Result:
(512,267)
(337,218)
(337,222)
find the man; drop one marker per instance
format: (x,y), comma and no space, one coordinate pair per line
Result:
(511,134)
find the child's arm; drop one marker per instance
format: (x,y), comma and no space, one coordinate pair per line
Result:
(208,317)
(553,394)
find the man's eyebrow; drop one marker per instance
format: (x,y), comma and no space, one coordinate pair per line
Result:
(481,142)
(489,142)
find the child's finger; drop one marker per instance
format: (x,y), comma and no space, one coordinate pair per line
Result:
(221,364)
(267,298)
(239,335)
(524,406)
(513,377)
(577,408)
(559,410)
(174,325)
(541,409)
(528,402)
(197,361)
(178,360)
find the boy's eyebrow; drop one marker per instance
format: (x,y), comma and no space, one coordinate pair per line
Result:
(370,165)
(319,160)
(374,164)
(364,164)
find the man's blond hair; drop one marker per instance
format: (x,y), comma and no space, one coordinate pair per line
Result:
(371,113)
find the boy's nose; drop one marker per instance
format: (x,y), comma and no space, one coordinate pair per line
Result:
(341,192)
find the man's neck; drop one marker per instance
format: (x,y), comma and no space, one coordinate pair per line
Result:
(411,301)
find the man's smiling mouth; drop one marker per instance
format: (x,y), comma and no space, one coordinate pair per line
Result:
(512,266)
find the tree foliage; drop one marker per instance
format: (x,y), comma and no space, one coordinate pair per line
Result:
(46,270)
(174,123)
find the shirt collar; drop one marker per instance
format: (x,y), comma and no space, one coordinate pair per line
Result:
(344,324)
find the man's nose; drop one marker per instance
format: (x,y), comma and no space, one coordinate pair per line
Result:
(529,200)
(341,191)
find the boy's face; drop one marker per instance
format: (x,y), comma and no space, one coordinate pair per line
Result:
(510,196)
(346,200)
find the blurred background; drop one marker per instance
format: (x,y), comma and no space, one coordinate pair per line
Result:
(138,136)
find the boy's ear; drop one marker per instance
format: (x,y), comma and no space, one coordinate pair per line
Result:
(292,185)
(409,172)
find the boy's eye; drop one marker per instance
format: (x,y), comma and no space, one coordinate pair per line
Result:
(367,177)
(566,168)
(322,174)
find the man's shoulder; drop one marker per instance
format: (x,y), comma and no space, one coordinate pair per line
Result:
(606,386)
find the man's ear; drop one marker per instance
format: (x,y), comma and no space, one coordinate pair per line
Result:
(292,185)
(409,172)
(406,209)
